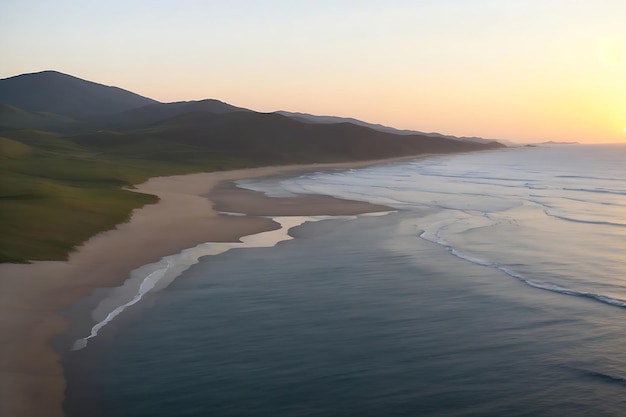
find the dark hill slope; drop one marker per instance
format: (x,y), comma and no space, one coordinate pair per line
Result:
(158,112)
(280,139)
(68,145)
(311,118)
(270,138)
(54,92)
(13,118)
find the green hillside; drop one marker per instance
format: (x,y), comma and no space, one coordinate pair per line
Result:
(62,179)
(16,118)
(55,194)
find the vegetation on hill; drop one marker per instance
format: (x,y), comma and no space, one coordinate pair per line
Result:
(62,180)
(55,194)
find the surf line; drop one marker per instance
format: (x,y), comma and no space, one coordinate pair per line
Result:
(146,285)
(158,275)
(531,283)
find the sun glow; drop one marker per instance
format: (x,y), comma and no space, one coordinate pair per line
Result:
(551,73)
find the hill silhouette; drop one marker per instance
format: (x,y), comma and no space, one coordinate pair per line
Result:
(158,112)
(68,146)
(54,92)
(116,120)
(311,118)
(275,138)
(261,138)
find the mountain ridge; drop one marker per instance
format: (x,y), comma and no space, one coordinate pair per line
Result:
(54,92)
(157,112)
(212,125)
(63,177)
(312,118)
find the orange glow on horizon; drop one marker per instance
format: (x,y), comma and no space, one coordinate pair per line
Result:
(522,71)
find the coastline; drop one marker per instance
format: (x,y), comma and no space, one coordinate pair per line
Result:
(33,296)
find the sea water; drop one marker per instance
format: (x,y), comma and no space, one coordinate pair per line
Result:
(496,287)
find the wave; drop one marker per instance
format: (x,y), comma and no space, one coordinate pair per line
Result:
(536,187)
(596,190)
(603,203)
(573,220)
(472,176)
(532,283)
(350,192)
(567,291)
(147,284)
(578,200)
(171,267)
(547,207)
(590,178)
(606,377)
(405,197)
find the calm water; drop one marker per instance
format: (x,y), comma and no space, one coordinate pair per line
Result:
(498,288)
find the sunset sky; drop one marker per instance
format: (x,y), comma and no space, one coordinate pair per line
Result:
(527,71)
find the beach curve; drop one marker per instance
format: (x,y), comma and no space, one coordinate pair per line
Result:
(33,296)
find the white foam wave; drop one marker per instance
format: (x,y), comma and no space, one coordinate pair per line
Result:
(532,283)
(378,213)
(567,291)
(148,284)
(159,275)
(597,190)
(587,177)
(573,220)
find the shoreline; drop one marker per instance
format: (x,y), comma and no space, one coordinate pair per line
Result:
(34,296)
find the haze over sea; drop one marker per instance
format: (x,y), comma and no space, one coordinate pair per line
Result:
(497,288)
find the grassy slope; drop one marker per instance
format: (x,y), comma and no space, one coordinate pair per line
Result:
(55,194)
(57,191)
(15,118)
(268,139)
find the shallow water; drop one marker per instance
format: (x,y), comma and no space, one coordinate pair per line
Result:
(552,217)
(439,309)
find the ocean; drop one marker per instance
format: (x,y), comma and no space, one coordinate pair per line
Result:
(496,287)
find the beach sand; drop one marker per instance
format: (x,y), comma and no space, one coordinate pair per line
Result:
(33,296)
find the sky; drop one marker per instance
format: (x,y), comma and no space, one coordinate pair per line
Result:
(521,70)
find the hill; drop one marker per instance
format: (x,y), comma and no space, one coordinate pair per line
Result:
(69,146)
(158,112)
(273,138)
(13,117)
(311,118)
(54,92)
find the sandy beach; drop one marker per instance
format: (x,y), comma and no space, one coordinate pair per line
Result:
(32,296)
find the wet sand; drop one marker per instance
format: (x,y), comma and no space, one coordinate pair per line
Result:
(33,296)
